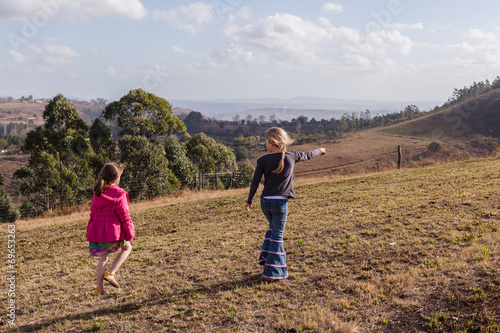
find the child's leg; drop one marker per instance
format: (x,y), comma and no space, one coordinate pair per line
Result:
(120,258)
(265,245)
(275,266)
(101,269)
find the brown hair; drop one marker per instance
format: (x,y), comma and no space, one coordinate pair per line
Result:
(279,137)
(108,174)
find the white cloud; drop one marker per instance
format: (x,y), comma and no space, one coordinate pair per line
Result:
(110,70)
(330,7)
(462,47)
(49,53)
(178,49)
(356,60)
(102,54)
(17,57)
(231,54)
(18,9)
(224,56)
(243,12)
(41,11)
(58,55)
(395,40)
(479,35)
(290,38)
(189,18)
(414,26)
(127,8)
(285,36)
(481,44)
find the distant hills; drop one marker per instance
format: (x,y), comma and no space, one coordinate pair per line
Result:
(287,109)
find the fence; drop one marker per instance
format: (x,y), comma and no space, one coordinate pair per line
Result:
(219,180)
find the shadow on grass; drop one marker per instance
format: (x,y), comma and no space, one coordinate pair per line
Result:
(249,281)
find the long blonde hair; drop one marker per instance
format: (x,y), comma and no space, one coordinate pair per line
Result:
(108,174)
(279,137)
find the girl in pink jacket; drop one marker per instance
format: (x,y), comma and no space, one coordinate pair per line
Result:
(110,226)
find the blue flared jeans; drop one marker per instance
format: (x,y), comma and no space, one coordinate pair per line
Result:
(273,255)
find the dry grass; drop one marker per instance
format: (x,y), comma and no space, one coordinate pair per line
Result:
(399,251)
(82,212)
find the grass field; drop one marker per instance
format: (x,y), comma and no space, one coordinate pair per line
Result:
(412,250)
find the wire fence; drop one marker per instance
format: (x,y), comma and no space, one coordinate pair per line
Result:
(17,206)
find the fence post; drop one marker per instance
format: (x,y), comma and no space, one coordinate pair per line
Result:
(216,182)
(399,157)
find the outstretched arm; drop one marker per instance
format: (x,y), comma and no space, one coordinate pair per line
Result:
(308,155)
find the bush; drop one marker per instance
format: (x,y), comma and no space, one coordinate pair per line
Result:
(435,146)
(7,212)
(28,210)
(244,174)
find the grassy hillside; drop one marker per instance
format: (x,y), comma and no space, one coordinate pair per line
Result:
(11,112)
(402,251)
(475,118)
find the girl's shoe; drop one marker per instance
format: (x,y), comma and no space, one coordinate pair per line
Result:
(111,279)
(99,291)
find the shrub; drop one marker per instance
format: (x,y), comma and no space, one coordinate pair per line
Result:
(435,146)
(7,212)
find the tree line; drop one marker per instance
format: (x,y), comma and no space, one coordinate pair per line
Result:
(300,128)
(159,155)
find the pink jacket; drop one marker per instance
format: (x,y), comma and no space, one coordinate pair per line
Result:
(109,217)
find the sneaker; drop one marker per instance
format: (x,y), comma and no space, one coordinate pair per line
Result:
(99,291)
(111,279)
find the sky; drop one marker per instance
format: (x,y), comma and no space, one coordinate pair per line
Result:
(392,50)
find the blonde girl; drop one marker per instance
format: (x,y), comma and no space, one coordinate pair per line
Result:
(277,167)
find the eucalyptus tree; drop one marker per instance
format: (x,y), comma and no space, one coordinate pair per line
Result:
(179,162)
(144,114)
(58,170)
(209,155)
(103,144)
(146,174)
(145,121)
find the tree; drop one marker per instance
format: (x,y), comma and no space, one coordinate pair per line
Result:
(410,111)
(209,155)
(194,117)
(58,170)
(3,143)
(145,114)
(245,174)
(179,163)
(146,173)
(101,138)
(7,212)
(241,153)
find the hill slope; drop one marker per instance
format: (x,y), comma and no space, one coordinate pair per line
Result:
(401,251)
(477,117)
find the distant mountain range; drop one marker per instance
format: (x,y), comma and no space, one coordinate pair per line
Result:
(287,109)
(283,109)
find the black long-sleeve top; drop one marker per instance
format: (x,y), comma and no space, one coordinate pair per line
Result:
(282,183)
